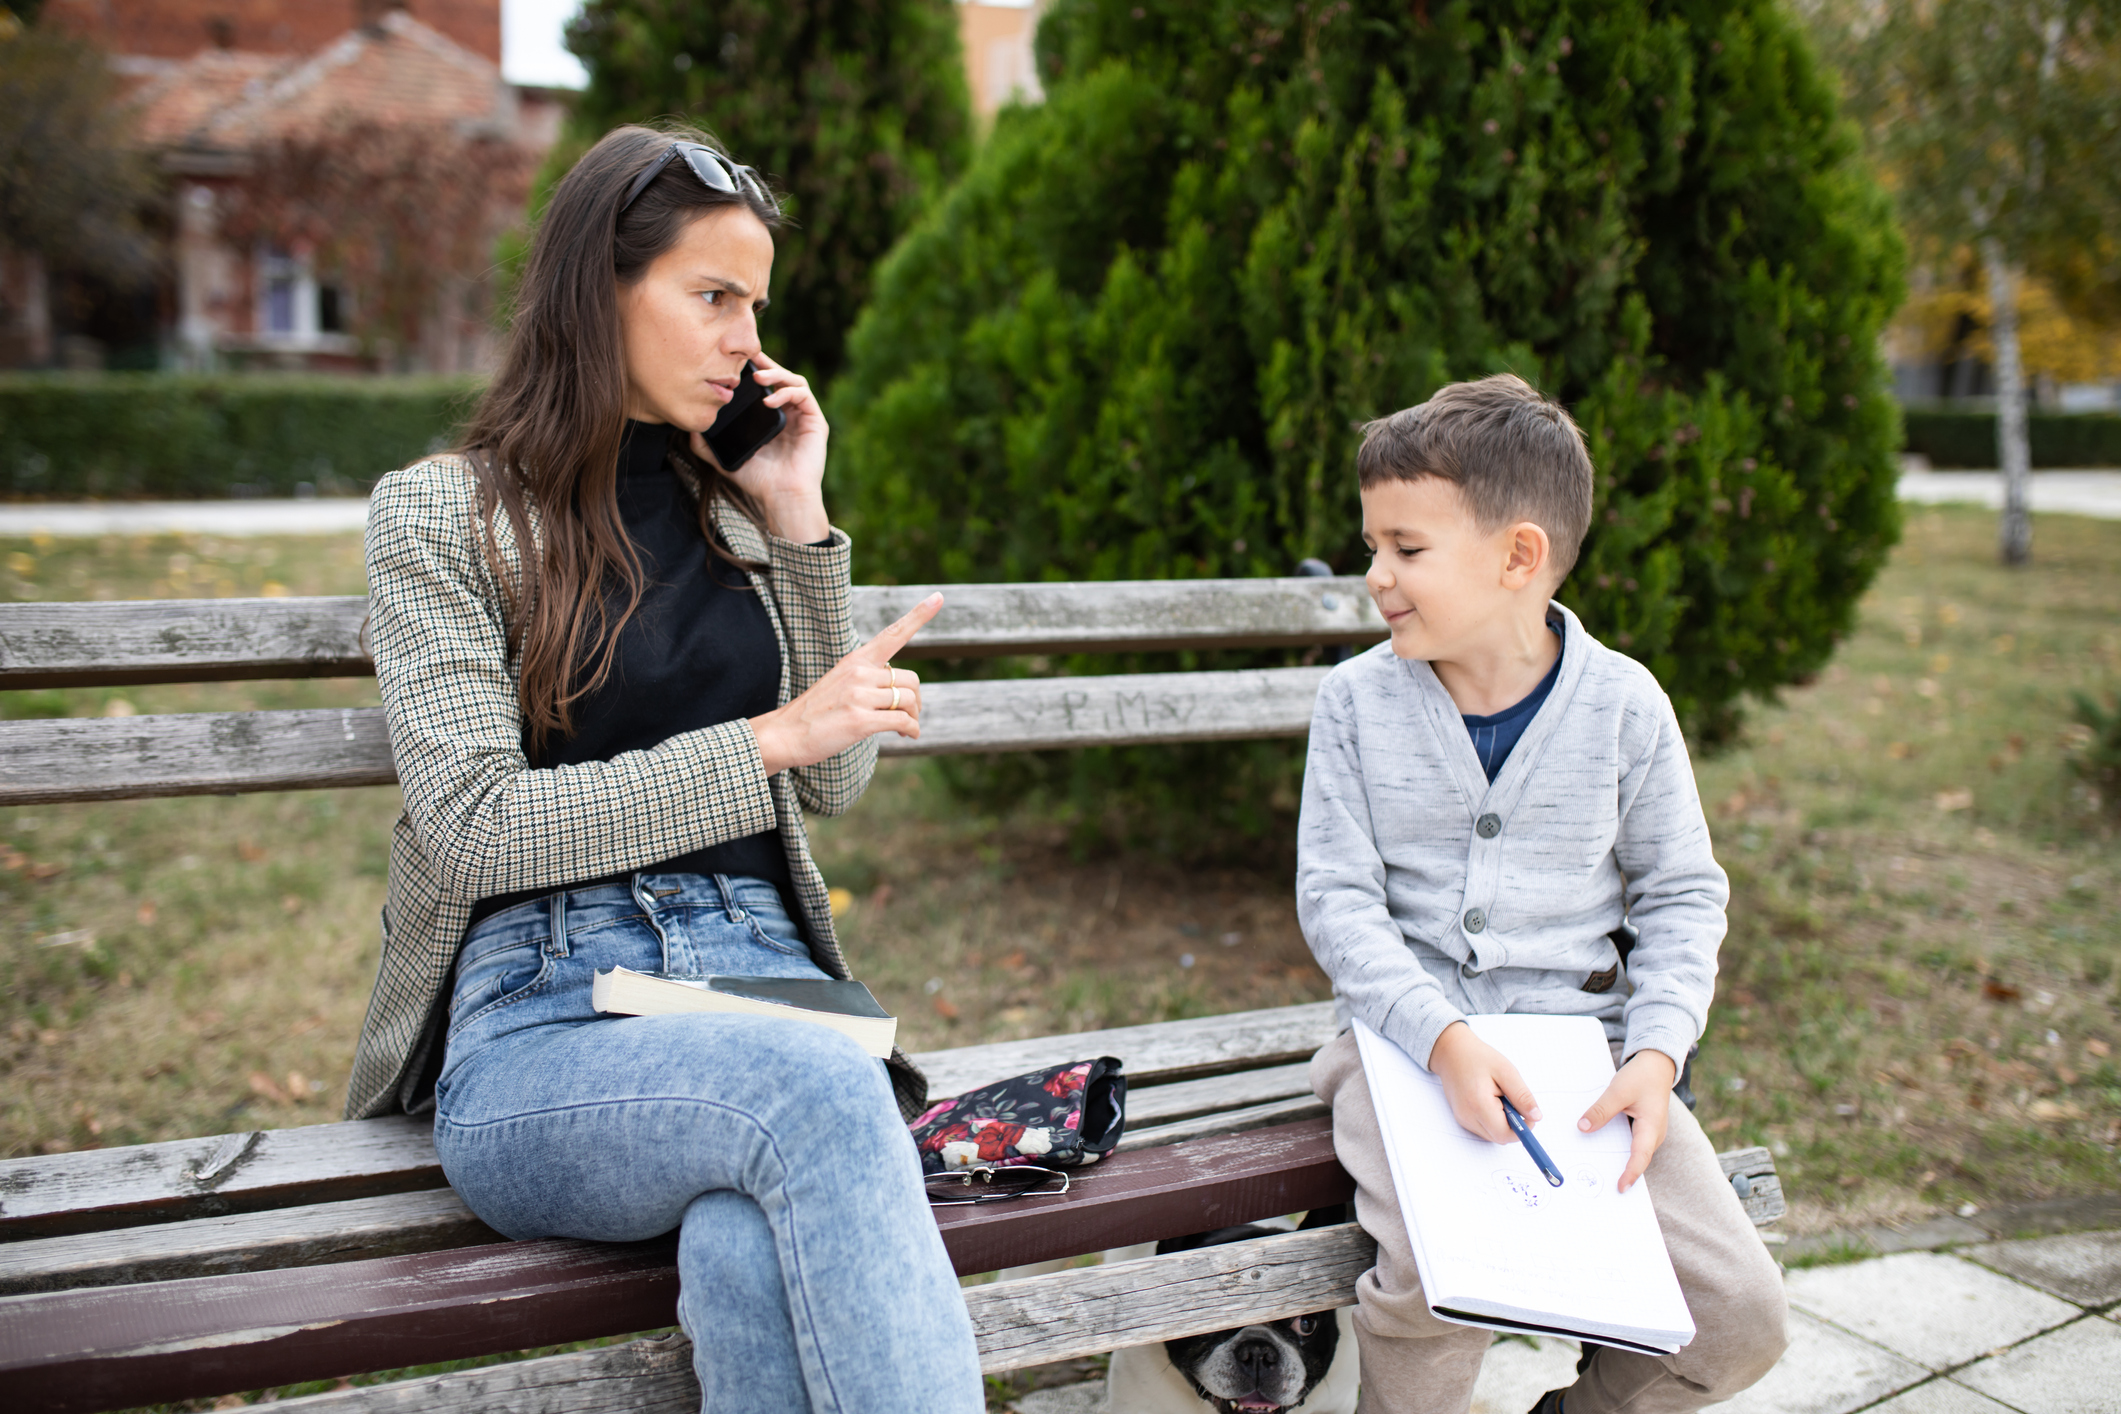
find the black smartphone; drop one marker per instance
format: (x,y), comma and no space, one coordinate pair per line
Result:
(745,424)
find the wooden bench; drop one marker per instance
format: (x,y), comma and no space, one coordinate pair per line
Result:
(205,1266)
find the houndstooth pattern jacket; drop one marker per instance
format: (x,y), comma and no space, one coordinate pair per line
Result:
(479,821)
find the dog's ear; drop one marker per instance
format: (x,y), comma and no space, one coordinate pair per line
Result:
(1332,1215)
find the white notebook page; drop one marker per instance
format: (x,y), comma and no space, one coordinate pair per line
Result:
(1495,1243)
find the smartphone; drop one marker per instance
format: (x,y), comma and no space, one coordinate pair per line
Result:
(745,424)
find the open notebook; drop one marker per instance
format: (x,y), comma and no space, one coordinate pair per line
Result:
(1496,1245)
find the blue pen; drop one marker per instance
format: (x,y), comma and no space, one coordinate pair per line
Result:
(1531,1145)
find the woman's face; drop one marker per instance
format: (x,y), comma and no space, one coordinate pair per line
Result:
(691,320)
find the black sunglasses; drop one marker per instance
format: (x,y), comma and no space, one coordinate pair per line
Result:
(953,1189)
(715,171)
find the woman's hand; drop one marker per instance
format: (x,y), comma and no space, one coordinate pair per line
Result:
(861,696)
(1475,1076)
(787,475)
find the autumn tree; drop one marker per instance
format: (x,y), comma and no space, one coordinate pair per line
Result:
(1999,122)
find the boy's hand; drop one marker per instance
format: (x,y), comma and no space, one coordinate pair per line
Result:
(1474,1075)
(1643,1092)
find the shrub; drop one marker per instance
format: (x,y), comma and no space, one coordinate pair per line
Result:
(155,434)
(1139,336)
(856,109)
(2096,756)
(1950,437)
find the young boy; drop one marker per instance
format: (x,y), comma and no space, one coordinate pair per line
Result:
(1487,797)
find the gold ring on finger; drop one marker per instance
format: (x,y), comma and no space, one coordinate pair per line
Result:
(894,698)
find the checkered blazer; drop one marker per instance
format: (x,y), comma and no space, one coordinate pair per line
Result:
(479,821)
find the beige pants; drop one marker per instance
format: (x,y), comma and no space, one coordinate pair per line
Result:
(1415,1363)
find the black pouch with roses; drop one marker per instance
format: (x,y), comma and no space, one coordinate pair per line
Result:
(1060,1117)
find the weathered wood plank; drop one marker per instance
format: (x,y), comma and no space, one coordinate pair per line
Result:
(1156,1054)
(1163,1104)
(1132,616)
(210,640)
(1286,1111)
(651,1376)
(1053,1317)
(1761,1191)
(181,640)
(1065,1315)
(56,1194)
(49,1195)
(312,1234)
(1120,709)
(211,753)
(192,753)
(116,1346)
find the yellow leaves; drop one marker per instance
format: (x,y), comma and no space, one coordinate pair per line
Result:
(2051,339)
(1949,801)
(841,901)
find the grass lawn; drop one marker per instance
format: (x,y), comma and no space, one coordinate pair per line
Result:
(1918,1009)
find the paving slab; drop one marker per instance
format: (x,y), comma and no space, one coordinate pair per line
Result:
(1517,1372)
(2075,1370)
(1938,1310)
(1940,1396)
(1825,1371)
(1925,1236)
(2084,493)
(2084,1267)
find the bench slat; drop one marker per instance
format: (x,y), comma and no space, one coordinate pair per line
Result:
(50,1195)
(211,753)
(56,1194)
(1056,1316)
(1190,1099)
(221,640)
(1067,1315)
(1156,1054)
(1237,1121)
(310,1235)
(651,1376)
(115,1346)
(181,640)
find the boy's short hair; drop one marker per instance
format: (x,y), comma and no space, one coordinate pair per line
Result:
(1512,453)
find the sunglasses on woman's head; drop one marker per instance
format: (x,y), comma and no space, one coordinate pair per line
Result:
(716,173)
(954,1189)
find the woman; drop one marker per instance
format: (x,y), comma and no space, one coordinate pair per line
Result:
(615,675)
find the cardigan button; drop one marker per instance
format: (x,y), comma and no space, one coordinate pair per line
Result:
(1475,921)
(1468,971)
(1488,826)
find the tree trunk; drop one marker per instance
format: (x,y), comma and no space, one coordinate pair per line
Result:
(2015,536)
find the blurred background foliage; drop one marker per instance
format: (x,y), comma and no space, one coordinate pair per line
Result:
(1139,337)
(856,110)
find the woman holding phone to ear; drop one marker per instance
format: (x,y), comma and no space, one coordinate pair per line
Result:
(615,674)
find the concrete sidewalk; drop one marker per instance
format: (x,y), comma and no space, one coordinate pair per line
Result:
(2024,1327)
(2084,493)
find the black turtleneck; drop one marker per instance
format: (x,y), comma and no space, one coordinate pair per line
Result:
(698,651)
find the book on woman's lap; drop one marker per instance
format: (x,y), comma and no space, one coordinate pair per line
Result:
(845,1007)
(1496,1244)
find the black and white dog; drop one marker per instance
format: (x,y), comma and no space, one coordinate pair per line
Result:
(1305,1362)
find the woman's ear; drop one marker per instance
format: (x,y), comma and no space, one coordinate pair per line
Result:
(1530,554)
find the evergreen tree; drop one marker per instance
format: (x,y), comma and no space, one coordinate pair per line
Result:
(855,109)
(1137,339)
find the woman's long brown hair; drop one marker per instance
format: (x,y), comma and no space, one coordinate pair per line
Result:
(547,432)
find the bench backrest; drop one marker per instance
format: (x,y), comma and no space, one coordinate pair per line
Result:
(218,640)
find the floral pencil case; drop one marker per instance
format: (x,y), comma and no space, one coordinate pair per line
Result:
(1060,1117)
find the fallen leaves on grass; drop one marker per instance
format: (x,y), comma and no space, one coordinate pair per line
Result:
(296,1091)
(1951,800)
(2000,991)
(2052,1111)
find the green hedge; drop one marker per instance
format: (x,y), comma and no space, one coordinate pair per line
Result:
(173,435)
(1953,438)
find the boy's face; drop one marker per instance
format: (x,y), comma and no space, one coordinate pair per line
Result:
(1441,583)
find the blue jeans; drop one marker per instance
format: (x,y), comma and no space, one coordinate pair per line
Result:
(811,1274)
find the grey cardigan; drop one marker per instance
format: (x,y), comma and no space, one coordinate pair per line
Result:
(1428,894)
